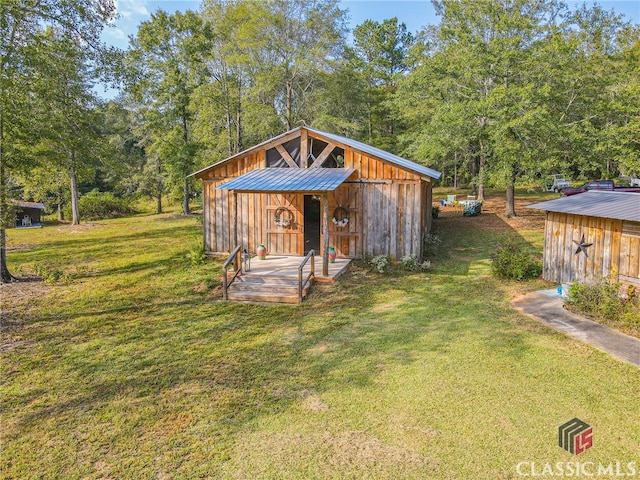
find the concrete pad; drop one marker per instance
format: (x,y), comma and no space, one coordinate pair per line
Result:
(548,308)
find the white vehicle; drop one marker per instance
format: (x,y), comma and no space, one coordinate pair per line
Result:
(633,181)
(555,183)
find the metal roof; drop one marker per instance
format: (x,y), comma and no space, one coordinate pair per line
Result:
(289,180)
(382,154)
(596,203)
(24,204)
(363,147)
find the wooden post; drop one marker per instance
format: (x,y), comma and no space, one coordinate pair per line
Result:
(234,221)
(325,252)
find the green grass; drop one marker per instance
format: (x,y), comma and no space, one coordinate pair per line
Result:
(133,367)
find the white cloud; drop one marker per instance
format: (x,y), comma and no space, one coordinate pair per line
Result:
(132,8)
(116,33)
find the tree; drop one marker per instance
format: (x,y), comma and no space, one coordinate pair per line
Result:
(163,76)
(479,62)
(70,132)
(21,25)
(292,44)
(379,55)
(593,92)
(529,86)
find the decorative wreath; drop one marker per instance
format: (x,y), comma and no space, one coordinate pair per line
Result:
(283,217)
(340,217)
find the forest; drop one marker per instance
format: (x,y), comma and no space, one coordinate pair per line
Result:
(497,94)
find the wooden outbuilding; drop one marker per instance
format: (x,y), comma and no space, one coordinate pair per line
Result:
(26,214)
(592,236)
(307,189)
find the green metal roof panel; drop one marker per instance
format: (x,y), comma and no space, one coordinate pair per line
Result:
(289,180)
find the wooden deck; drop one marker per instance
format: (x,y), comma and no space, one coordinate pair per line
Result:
(275,279)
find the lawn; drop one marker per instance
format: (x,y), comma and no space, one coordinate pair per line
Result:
(130,366)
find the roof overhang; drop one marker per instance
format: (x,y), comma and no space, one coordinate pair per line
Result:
(287,180)
(424,172)
(596,203)
(24,204)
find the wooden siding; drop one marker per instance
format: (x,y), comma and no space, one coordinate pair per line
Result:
(347,240)
(389,210)
(613,255)
(629,268)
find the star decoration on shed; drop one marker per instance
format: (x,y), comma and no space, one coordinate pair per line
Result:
(582,246)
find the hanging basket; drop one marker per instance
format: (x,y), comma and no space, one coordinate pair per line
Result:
(283,217)
(340,217)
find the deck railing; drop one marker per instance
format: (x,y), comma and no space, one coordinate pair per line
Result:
(237,268)
(312,273)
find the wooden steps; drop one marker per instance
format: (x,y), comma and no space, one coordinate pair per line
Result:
(269,289)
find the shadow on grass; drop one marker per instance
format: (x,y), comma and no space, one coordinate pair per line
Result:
(468,240)
(230,364)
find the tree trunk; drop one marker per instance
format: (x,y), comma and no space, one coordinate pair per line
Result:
(185,197)
(60,201)
(75,209)
(229,136)
(186,165)
(455,171)
(483,161)
(369,117)
(510,210)
(5,275)
(159,192)
(227,108)
(289,105)
(474,174)
(239,118)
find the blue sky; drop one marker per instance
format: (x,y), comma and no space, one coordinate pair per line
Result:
(414,13)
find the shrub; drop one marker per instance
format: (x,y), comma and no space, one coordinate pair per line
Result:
(381,263)
(603,299)
(512,260)
(435,211)
(197,255)
(410,263)
(431,244)
(50,275)
(99,205)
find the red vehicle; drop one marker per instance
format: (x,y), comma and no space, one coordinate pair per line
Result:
(597,185)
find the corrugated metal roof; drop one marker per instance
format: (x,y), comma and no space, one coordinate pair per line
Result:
(382,154)
(289,180)
(376,152)
(24,204)
(619,205)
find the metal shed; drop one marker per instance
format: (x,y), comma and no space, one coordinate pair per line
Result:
(592,236)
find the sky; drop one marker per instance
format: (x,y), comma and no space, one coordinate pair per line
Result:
(414,13)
